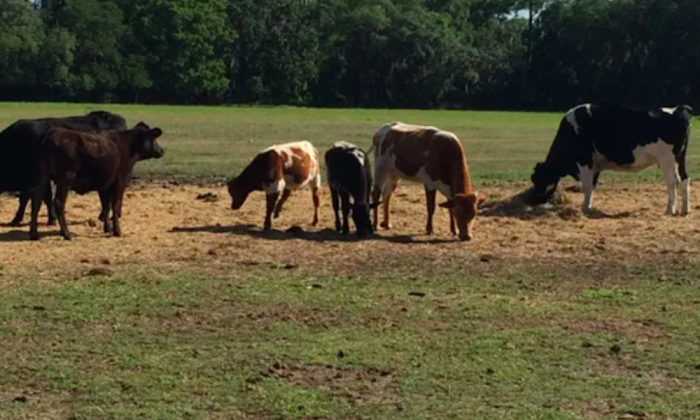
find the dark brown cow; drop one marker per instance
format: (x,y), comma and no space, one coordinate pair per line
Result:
(102,162)
(284,167)
(432,157)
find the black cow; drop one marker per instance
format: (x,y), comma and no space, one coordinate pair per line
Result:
(20,150)
(84,162)
(349,175)
(593,138)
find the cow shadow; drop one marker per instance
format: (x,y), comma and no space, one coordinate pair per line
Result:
(17,235)
(295,232)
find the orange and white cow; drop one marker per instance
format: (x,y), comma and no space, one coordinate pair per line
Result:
(432,157)
(279,169)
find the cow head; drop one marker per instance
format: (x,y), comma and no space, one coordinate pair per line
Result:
(146,142)
(105,120)
(464,208)
(360,215)
(237,192)
(544,183)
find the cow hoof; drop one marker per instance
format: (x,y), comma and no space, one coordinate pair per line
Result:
(33,236)
(276,216)
(51,223)
(69,237)
(386,225)
(267,228)
(346,232)
(16,223)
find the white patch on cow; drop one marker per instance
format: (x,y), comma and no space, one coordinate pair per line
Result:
(571,116)
(275,187)
(685,191)
(669,110)
(425,179)
(586,174)
(289,183)
(658,152)
(409,128)
(353,149)
(644,157)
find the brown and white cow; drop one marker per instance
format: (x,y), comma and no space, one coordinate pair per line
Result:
(281,168)
(432,157)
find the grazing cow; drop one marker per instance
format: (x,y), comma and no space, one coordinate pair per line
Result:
(284,167)
(349,175)
(593,138)
(20,153)
(101,162)
(432,157)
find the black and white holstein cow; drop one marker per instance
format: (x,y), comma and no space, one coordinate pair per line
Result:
(350,176)
(593,138)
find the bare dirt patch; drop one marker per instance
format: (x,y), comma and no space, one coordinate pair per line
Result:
(357,384)
(172,227)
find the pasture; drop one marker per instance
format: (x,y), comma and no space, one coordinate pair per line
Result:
(197,314)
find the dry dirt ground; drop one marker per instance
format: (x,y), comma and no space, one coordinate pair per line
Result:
(168,226)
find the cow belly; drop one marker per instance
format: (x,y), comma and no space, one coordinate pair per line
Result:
(644,157)
(422,177)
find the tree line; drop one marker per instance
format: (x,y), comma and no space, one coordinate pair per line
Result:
(497,54)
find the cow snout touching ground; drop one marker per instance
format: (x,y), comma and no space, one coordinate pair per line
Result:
(593,138)
(463,210)
(350,177)
(102,162)
(432,157)
(277,170)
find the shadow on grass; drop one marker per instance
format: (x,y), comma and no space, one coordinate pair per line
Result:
(295,232)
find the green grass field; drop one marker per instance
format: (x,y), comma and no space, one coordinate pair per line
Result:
(212,323)
(219,141)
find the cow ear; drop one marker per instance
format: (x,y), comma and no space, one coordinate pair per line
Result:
(447,204)
(155,133)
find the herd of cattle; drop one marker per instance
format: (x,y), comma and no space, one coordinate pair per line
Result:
(97,152)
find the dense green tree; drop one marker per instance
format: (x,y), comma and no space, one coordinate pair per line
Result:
(530,54)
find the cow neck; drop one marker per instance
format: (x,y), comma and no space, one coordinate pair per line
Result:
(461,181)
(127,138)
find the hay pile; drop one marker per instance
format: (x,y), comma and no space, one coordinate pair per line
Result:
(517,206)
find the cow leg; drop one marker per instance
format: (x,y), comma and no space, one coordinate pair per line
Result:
(36,197)
(430,201)
(376,195)
(685,183)
(453,225)
(50,207)
(345,202)
(316,196)
(595,179)
(387,191)
(117,200)
(278,208)
(586,174)
(24,197)
(336,203)
(670,174)
(62,189)
(271,201)
(106,202)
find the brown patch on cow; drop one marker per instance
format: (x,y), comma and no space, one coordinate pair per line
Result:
(301,165)
(357,384)
(410,149)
